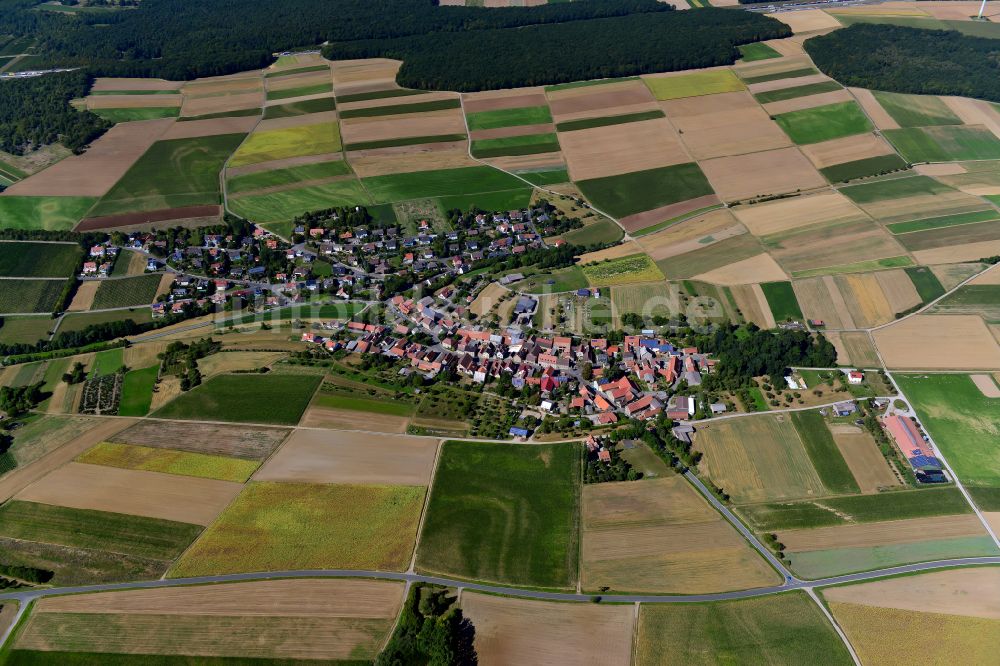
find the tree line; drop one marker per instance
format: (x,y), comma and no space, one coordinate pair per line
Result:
(36,111)
(565,52)
(910,60)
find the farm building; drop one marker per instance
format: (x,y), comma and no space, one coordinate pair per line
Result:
(911,444)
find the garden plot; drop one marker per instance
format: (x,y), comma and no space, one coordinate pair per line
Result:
(660,536)
(615,149)
(760,174)
(723,125)
(970,344)
(318,456)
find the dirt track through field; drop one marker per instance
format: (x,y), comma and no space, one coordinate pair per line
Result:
(987,385)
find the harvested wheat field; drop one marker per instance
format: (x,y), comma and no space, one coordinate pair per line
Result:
(319,456)
(859,347)
(723,125)
(196,128)
(811,250)
(781,84)
(185,499)
(753,305)
(971,592)
(951,275)
(61,446)
(365,75)
(968,340)
(958,253)
(144,355)
(808,102)
(614,252)
(615,149)
(843,358)
(759,174)
(975,112)
(83,299)
(237,361)
(922,205)
(608,99)
(892,532)
(691,234)
(773,66)
(775,217)
(294,619)
(865,301)
(761,268)
(516,631)
(986,385)
(898,290)
(873,109)
(198,106)
(943,169)
(660,535)
(406,162)
(865,460)
(96,171)
(300,80)
(349,419)
(540,162)
(495,100)
(103,84)
(378,128)
(132,101)
(847,149)
(255,443)
(809,20)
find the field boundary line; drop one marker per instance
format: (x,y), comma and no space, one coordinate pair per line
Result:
(836,627)
(225,165)
(426,505)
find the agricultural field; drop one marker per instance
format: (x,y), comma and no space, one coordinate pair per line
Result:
(781,629)
(823,123)
(471,184)
(276,144)
(336,620)
(126,292)
(916,110)
(137,391)
(781,300)
(709,82)
(30,296)
(978,299)
(309,526)
(503,512)
(630,193)
(508,117)
(28,330)
(946,143)
(624,270)
(167,461)
(285,204)
(903,345)
(245,398)
(520,631)
(661,536)
(38,260)
(244,442)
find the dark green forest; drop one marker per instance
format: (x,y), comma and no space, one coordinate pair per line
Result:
(910,60)
(563,52)
(36,112)
(181,39)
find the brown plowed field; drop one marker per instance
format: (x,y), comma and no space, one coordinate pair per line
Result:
(516,631)
(65,451)
(225,440)
(866,462)
(970,344)
(771,172)
(576,103)
(616,149)
(197,106)
(958,253)
(540,161)
(506,99)
(808,20)
(885,533)
(848,149)
(761,268)
(433,123)
(389,102)
(366,71)
(312,597)
(329,456)
(102,84)
(148,217)
(404,162)
(185,499)
(723,125)
(775,217)
(132,101)
(971,592)
(96,171)
(347,419)
(84,297)
(843,358)
(650,217)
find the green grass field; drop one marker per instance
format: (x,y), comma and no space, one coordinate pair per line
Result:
(893,188)
(405,141)
(399,109)
(28,330)
(277,526)
(278,399)
(502,200)
(97,530)
(545,177)
(823,452)
(168,461)
(287,204)
(926,283)
(962,421)
(289,142)
(504,512)
(777,76)
(288,176)
(691,85)
(107,362)
(36,260)
(528,115)
(625,270)
(146,113)
(897,505)
(943,221)
(126,292)
(177,172)
(561,279)
(235,113)
(440,183)
(301,91)
(757,51)
(76,321)
(50,213)
(781,299)
(865,168)
(630,193)
(602,231)
(137,391)
(302,108)
(916,110)
(29,296)
(296,70)
(946,143)
(837,561)
(823,123)
(517,145)
(780,629)
(979,299)
(363,405)
(604,121)
(797,91)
